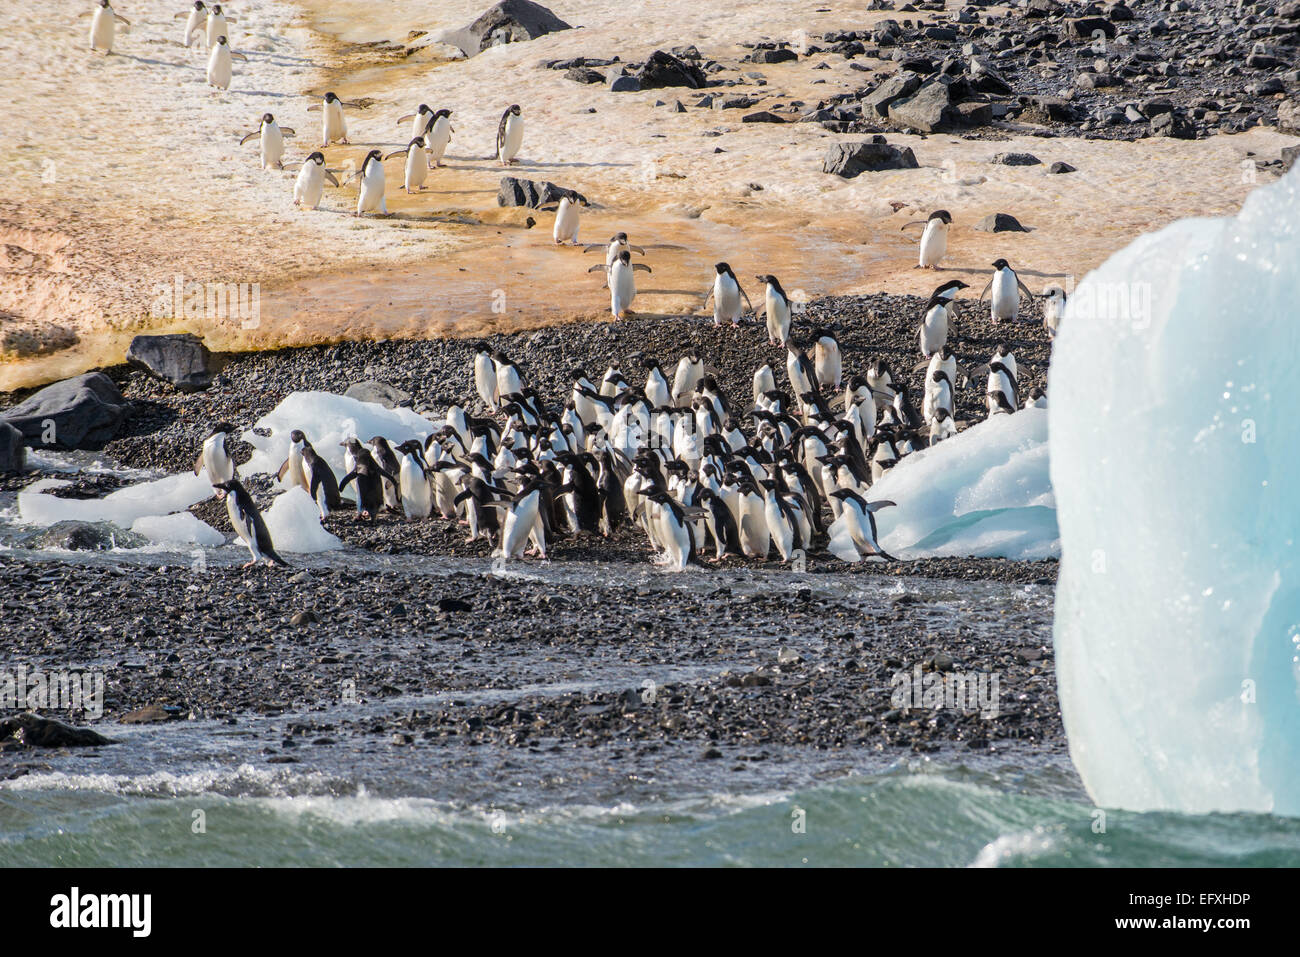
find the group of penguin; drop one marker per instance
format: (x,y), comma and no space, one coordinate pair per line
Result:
(430,129)
(678,458)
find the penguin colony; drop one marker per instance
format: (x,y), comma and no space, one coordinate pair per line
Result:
(704,475)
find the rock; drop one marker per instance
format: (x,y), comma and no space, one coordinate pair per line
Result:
(1289,156)
(1016,159)
(371,390)
(1119,13)
(851,159)
(1095,81)
(762,116)
(985,78)
(511,21)
(81,413)
(624,84)
(781,55)
(929,110)
(1288,116)
(1042,8)
(1059,167)
(183,360)
(33,731)
(79,536)
(303,618)
(735,103)
(582,74)
(1173,125)
(663,69)
(525,192)
(1088,27)
(13,453)
(1048,109)
(892,88)
(973,113)
(150,714)
(1000,223)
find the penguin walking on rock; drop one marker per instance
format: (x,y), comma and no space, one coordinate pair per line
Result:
(727,293)
(247,522)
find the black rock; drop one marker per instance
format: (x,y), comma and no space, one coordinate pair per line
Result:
(851,159)
(1000,223)
(1174,125)
(762,116)
(34,731)
(79,536)
(582,74)
(781,55)
(13,453)
(525,192)
(1288,116)
(929,110)
(1088,27)
(624,84)
(1016,159)
(1289,155)
(663,69)
(1059,167)
(183,360)
(80,413)
(511,21)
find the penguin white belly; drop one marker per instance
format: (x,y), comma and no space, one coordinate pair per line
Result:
(726,300)
(417,168)
(310,185)
(755,537)
(778,318)
(485,380)
(566,223)
(218,464)
(219,67)
(417,126)
(272,143)
(335,126)
(781,532)
(676,539)
(436,140)
(295,473)
(103,28)
(217,28)
(828,367)
(243,529)
(934,329)
(622,289)
(371,196)
(514,138)
(1006,296)
(519,526)
(417,500)
(934,243)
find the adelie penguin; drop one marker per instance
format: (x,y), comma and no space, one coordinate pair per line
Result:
(247,522)
(936,321)
(934,241)
(1053,309)
(413,478)
(334,126)
(417,165)
(194,20)
(419,120)
(568,217)
(217,25)
(853,534)
(310,185)
(387,459)
(776,307)
(103,27)
(270,136)
(727,294)
(622,284)
(437,134)
(305,468)
(510,135)
(219,69)
(215,456)
(1006,286)
(369,478)
(370,197)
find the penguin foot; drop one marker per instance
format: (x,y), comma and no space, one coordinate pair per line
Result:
(250,564)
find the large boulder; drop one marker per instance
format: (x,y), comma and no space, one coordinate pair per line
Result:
(514,191)
(183,360)
(850,159)
(372,390)
(13,453)
(80,413)
(663,69)
(896,87)
(75,535)
(929,110)
(511,21)
(1000,223)
(33,731)
(1288,116)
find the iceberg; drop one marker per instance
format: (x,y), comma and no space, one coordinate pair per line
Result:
(1175,459)
(294,523)
(985,492)
(158,497)
(328,419)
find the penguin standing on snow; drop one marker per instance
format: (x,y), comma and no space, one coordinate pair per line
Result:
(247,522)
(934,241)
(271,136)
(510,135)
(215,456)
(1006,286)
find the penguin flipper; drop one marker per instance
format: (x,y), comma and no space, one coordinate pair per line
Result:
(596,267)
(986,290)
(642,266)
(346,479)
(249,137)
(284,468)
(288,131)
(1024,289)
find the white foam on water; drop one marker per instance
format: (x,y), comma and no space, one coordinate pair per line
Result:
(226,781)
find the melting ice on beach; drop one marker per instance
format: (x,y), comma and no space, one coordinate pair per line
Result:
(1175,448)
